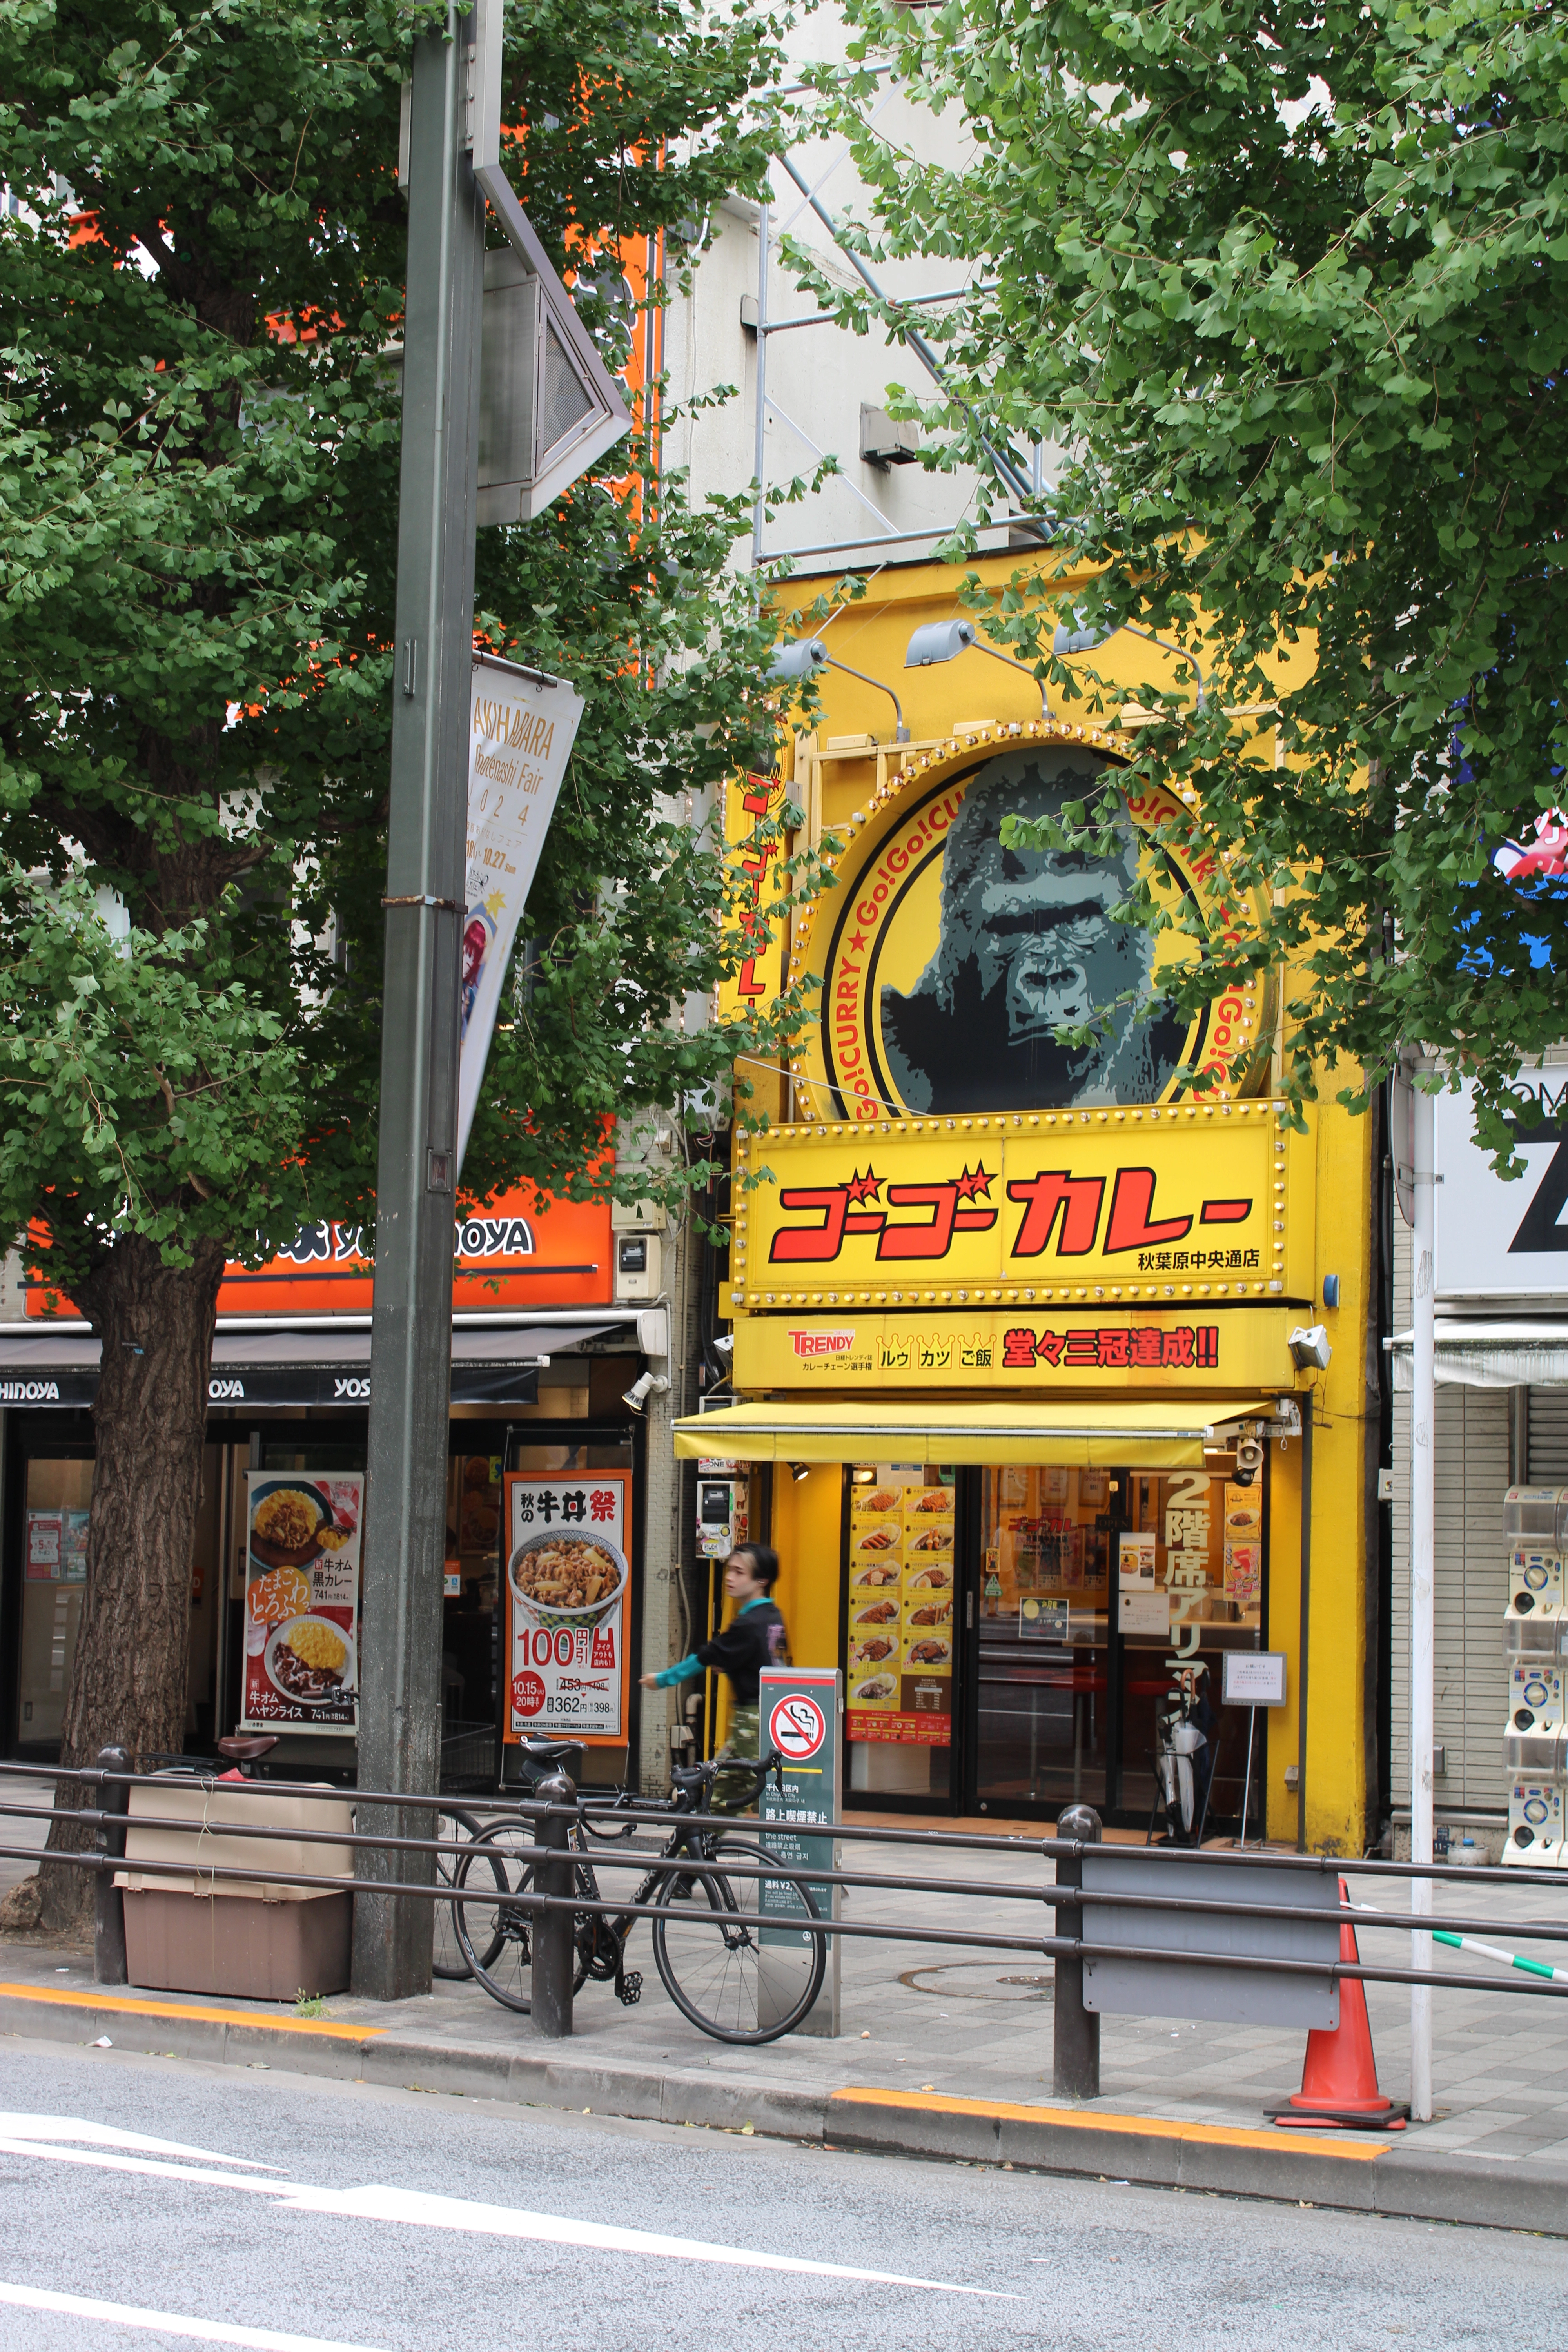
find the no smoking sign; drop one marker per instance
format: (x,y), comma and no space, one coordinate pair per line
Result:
(797,1727)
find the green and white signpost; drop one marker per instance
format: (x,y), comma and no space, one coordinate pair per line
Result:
(801,1712)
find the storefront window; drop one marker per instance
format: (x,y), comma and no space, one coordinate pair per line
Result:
(54,1579)
(1105,1597)
(1043,1721)
(902,1588)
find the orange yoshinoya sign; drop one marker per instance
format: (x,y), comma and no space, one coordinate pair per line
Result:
(522,1250)
(949,963)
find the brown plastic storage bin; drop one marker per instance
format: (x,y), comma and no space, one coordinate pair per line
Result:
(238,1944)
(189,1931)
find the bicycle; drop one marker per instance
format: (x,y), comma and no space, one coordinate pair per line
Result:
(719,1972)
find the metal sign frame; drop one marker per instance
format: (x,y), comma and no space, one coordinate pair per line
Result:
(609,418)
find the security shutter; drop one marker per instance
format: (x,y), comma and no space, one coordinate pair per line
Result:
(1469,1585)
(1549,1437)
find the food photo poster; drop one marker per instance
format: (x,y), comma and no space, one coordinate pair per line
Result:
(568,1591)
(301,1600)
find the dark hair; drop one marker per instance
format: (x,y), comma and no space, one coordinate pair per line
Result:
(764,1562)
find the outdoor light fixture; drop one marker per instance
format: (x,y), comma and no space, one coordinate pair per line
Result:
(1310,1349)
(1072,639)
(646,1384)
(725,1346)
(803,657)
(943,641)
(799,1470)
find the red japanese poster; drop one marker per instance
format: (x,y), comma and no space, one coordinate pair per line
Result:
(568,1594)
(301,1600)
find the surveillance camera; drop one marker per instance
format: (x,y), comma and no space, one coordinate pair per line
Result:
(646,1384)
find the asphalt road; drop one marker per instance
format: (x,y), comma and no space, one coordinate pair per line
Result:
(280,2212)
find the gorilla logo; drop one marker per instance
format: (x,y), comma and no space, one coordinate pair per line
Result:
(1026,947)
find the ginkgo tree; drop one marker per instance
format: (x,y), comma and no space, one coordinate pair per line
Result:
(200,287)
(1288,287)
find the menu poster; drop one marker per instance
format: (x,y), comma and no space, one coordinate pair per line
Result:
(73,1546)
(301,1600)
(1136,1560)
(901,1611)
(567,1591)
(44,1537)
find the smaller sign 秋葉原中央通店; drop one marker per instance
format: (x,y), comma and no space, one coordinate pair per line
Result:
(1210,1203)
(1111,1347)
(298,1664)
(566,1592)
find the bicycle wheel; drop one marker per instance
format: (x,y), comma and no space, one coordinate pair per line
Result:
(493,1922)
(738,1983)
(449,1958)
(492,1932)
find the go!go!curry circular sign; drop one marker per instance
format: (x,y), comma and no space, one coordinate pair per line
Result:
(947,964)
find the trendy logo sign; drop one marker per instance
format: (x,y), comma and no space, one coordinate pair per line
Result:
(949,963)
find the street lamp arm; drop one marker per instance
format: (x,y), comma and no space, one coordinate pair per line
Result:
(903,733)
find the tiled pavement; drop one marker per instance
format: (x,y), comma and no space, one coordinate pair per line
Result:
(919,2014)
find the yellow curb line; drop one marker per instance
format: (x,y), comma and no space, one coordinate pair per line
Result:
(60,1998)
(1130,2126)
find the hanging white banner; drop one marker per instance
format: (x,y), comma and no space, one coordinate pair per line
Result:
(521,727)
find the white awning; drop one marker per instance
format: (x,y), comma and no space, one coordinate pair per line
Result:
(1475,1354)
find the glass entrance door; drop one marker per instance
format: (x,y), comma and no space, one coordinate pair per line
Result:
(1105,1603)
(1042,1726)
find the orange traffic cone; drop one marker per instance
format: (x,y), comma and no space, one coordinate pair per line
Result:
(1339,2081)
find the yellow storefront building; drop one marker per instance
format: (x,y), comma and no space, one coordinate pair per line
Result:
(1014,1374)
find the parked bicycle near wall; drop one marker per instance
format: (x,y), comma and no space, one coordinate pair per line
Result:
(716,1969)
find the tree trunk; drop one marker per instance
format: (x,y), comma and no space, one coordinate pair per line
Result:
(128,1682)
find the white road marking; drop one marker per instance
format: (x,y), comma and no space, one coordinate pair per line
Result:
(205,2175)
(172,2322)
(22,2126)
(415,2206)
(418,2209)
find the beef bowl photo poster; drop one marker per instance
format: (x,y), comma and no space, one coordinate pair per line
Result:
(568,1590)
(301,1600)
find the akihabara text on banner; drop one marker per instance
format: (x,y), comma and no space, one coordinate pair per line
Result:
(521,727)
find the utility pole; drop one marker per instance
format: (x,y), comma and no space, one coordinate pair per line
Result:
(411,1339)
(1423,1548)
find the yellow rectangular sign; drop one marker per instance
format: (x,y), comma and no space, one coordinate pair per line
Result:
(1197,1345)
(1181,1203)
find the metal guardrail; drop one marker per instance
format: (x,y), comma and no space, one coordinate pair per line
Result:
(554,1903)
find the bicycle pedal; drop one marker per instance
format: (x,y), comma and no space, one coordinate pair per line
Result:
(628,1988)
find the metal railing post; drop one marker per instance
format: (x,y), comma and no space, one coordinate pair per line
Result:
(109,1965)
(1077,2046)
(554,1943)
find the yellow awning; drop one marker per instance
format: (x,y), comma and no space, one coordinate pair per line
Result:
(1109,1435)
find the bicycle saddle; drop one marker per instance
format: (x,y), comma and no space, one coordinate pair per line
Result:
(247,1751)
(548,1751)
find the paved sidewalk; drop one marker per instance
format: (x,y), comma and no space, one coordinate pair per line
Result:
(923,2018)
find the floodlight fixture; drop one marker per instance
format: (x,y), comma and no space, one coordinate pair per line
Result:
(943,641)
(803,657)
(1073,638)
